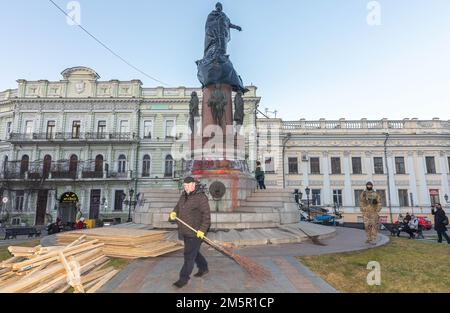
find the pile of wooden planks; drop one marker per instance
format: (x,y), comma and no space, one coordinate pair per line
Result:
(125,242)
(80,264)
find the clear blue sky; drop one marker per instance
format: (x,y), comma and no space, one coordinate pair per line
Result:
(309,58)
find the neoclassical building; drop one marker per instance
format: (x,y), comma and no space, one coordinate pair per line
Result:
(407,160)
(86,141)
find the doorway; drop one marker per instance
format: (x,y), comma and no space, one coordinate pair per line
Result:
(41,207)
(94,207)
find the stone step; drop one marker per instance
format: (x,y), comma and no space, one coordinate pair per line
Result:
(160,191)
(263,204)
(255,198)
(249,209)
(269,193)
(162,199)
(157,205)
(161,195)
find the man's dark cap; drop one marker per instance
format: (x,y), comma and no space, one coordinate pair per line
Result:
(189,180)
(369,183)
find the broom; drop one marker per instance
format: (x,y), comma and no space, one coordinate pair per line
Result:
(254,269)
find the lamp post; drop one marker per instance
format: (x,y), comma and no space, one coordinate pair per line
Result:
(130,203)
(387,176)
(307,190)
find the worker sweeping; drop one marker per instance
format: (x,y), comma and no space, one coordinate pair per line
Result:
(370,202)
(193,208)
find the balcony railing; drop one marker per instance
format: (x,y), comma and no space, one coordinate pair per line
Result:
(21,137)
(63,169)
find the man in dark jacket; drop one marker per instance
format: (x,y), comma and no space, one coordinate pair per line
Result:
(440,223)
(193,209)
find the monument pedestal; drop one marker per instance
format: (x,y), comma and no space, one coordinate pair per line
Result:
(218,161)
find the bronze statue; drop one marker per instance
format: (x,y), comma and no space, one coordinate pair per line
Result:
(217,31)
(239,108)
(217,103)
(193,110)
(216,67)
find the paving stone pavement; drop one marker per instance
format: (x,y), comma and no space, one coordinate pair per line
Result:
(225,276)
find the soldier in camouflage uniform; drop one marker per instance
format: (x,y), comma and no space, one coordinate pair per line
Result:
(370,202)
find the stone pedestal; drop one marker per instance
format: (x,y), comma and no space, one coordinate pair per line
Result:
(218,161)
(234,175)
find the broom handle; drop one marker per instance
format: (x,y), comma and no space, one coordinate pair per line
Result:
(208,241)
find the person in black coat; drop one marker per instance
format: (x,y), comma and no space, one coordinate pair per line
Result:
(440,223)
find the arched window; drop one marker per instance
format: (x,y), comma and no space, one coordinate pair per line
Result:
(24,164)
(99,163)
(168,168)
(47,165)
(146,166)
(122,163)
(73,164)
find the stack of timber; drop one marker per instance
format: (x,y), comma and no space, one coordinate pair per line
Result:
(80,265)
(126,243)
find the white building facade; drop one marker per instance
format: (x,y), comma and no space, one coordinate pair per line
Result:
(85,141)
(408,162)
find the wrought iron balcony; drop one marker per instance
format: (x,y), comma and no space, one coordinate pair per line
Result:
(62,170)
(73,137)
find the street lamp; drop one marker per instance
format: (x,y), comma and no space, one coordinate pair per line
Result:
(307,190)
(130,203)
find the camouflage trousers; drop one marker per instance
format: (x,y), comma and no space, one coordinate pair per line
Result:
(371,225)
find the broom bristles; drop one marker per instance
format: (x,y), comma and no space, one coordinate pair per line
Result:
(255,270)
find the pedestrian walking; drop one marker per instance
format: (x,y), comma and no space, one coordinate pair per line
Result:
(260,176)
(440,222)
(193,208)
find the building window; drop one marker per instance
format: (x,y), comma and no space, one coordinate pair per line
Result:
(98,164)
(315,196)
(148,125)
(122,164)
(314,164)
(382,193)
(124,127)
(269,165)
(24,164)
(336,165)
(101,130)
(431,165)
(50,129)
(76,126)
(28,127)
(448,161)
(337,197)
(403,197)
(118,200)
(357,195)
(356,165)
(168,167)
(73,164)
(146,166)
(47,165)
(400,165)
(434,197)
(8,129)
(293,165)
(378,165)
(170,129)
(18,204)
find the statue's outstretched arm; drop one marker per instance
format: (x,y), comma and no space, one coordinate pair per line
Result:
(239,28)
